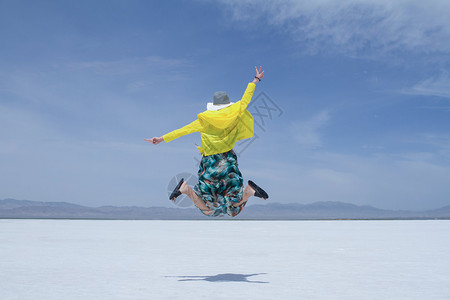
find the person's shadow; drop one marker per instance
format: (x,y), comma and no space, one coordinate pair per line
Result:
(227,277)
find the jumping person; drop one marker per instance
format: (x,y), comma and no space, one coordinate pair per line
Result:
(220,188)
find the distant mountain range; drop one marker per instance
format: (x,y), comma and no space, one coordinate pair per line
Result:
(11,208)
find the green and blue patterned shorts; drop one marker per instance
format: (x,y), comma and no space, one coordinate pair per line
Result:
(220,184)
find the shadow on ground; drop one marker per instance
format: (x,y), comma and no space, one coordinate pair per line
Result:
(227,277)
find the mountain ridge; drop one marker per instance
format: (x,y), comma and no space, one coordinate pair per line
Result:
(12,208)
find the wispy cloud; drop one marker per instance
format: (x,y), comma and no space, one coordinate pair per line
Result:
(439,143)
(353,27)
(438,140)
(307,133)
(129,65)
(438,86)
(71,86)
(147,71)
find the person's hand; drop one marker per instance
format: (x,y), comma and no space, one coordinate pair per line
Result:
(155,140)
(259,75)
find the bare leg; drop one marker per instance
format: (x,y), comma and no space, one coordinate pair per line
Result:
(248,192)
(186,189)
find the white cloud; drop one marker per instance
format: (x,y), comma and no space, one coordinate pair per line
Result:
(307,133)
(129,65)
(353,27)
(435,86)
(440,143)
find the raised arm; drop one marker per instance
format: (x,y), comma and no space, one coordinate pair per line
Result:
(248,94)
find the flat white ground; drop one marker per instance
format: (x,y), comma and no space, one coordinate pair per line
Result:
(81,259)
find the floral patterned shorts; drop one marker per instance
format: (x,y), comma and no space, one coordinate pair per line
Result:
(220,184)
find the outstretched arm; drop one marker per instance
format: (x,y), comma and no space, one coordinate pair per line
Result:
(188,129)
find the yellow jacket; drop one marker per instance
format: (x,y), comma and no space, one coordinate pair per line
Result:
(220,129)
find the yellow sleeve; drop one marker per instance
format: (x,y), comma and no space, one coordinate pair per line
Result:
(248,94)
(193,127)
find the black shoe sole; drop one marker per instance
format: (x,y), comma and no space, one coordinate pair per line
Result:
(176,192)
(259,192)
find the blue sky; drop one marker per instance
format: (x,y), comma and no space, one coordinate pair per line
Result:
(363,89)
